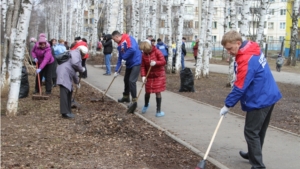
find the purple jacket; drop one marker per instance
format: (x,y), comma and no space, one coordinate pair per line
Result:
(44,56)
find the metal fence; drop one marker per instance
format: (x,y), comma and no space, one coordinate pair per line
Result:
(273,48)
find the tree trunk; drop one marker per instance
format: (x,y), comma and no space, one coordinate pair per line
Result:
(70,23)
(153,25)
(4,7)
(5,56)
(179,36)
(233,21)
(95,26)
(262,19)
(226,28)
(169,31)
(202,39)
(19,50)
(245,19)
(120,16)
(208,46)
(294,37)
(135,19)
(108,16)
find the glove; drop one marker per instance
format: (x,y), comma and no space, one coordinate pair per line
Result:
(224,111)
(144,79)
(36,60)
(152,63)
(38,71)
(78,86)
(116,74)
(83,69)
(123,62)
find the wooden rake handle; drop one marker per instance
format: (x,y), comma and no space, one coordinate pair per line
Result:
(144,83)
(112,80)
(39,79)
(213,138)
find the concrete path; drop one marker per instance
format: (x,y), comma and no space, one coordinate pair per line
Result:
(195,122)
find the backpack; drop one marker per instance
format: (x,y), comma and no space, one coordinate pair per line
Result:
(63,57)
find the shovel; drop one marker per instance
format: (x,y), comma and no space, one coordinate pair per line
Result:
(74,104)
(102,99)
(133,106)
(202,163)
(40,96)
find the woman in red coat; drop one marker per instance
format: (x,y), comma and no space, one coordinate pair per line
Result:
(156,80)
(195,50)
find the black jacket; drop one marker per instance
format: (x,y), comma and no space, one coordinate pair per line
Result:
(183,50)
(107,44)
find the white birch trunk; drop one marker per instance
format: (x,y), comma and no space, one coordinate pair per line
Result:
(233,21)
(108,16)
(22,31)
(208,46)
(4,7)
(146,19)
(202,39)
(70,22)
(64,19)
(95,27)
(135,19)
(120,17)
(77,18)
(226,28)
(169,31)
(262,20)
(245,19)
(153,25)
(7,33)
(179,36)
(294,37)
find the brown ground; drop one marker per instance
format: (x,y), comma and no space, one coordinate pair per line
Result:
(101,136)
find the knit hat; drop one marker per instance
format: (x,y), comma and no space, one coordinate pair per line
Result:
(42,38)
(147,40)
(77,38)
(83,49)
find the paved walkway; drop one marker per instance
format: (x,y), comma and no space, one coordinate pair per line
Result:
(195,122)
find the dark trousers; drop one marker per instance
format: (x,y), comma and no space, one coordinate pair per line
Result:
(47,73)
(65,100)
(130,78)
(256,125)
(84,74)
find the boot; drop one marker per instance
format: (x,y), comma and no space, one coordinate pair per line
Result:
(146,106)
(159,113)
(125,98)
(54,82)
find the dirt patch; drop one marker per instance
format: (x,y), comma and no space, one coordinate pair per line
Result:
(213,90)
(101,136)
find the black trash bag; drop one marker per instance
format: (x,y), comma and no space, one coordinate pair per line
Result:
(24,87)
(187,80)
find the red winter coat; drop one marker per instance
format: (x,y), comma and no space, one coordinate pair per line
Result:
(156,81)
(195,49)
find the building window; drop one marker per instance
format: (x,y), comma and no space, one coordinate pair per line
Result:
(239,9)
(270,38)
(196,11)
(281,38)
(162,23)
(214,26)
(188,24)
(271,12)
(271,0)
(282,11)
(283,0)
(270,25)
(189,10)
(214,38)
(282,25)
(196,24)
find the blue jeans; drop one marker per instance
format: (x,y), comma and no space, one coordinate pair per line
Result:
(107,63)
(182,61)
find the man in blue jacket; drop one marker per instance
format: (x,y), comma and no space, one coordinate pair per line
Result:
(256,90)
(130,52)
(163,48)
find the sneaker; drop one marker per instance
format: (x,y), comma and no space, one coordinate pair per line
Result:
(106,74)
(145,109)
(68,116)
(160,114)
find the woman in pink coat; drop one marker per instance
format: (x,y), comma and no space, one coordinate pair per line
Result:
(156,80)
(41,53)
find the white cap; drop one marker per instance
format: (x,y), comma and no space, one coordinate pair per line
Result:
(147,40)
(83,49)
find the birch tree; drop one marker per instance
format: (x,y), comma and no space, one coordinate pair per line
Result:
(233,21)
(245,19)
(70,22)
(153,29)
(208,46)
(95,27)
(225,25)
(108,15)
(202,39)
(135,19)
(262,20)
(120,16)
(294,36)
(179,35)
(22,31)
(169,31)
(4,7)
(145,19)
